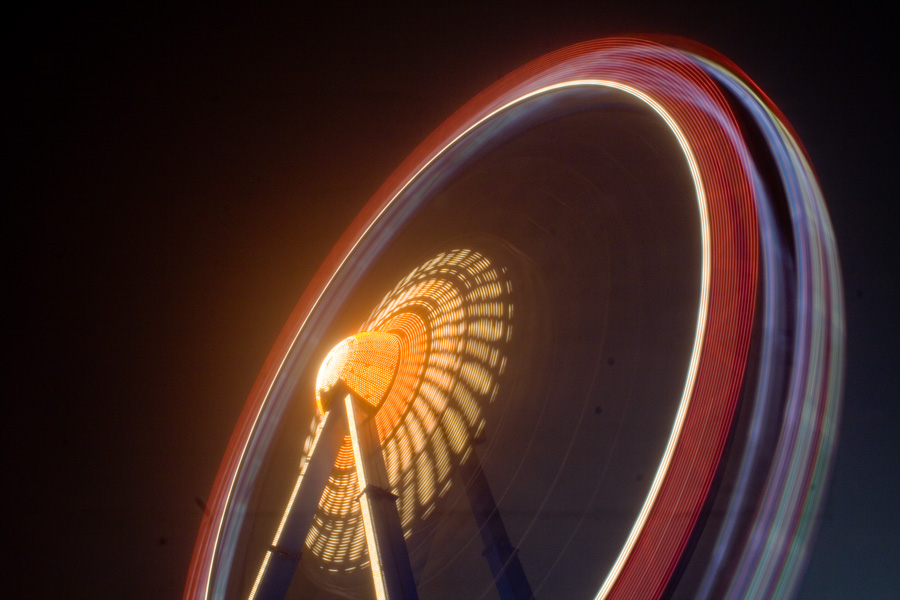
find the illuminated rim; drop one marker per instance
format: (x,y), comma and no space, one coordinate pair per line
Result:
(681,87)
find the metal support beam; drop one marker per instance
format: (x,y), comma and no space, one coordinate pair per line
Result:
(391,569)
(502,557)
(284,555)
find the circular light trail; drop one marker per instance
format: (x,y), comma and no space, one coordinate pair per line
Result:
(765,373)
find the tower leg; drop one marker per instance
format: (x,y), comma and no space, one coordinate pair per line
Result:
(502,557)
(282,558)
(388,556)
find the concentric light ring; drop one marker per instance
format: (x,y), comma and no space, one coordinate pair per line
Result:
(683,87)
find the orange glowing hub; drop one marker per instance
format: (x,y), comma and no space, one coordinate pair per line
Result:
(363,364)
(428,362)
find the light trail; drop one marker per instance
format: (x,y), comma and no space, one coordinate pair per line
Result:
(741,248)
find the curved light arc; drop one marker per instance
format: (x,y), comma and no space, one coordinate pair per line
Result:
(701,317)
(687,86)
(257,415)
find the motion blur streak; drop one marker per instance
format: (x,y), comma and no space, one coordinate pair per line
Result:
(803,304)
(765,274)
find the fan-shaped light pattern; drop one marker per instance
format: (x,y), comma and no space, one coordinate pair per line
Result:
(363,364)
(798,372)
(451,319)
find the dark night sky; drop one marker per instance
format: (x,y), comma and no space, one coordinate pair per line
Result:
(177,177)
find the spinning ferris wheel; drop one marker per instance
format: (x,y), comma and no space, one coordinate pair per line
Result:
(585,342)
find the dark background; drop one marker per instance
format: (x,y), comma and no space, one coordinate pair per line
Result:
(178,175)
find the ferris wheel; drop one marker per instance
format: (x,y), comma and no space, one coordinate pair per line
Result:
(585,342)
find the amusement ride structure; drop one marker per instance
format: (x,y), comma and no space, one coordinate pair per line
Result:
(585,342)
